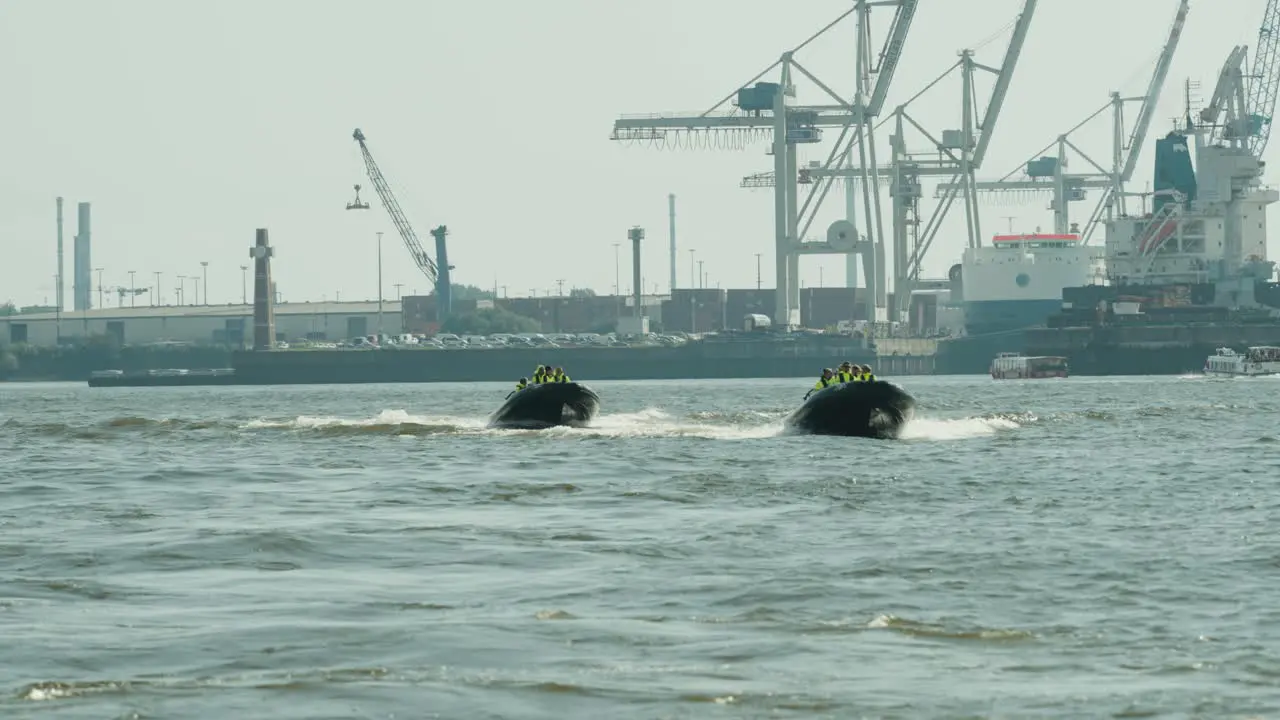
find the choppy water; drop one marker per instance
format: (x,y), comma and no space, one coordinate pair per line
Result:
(1060,548)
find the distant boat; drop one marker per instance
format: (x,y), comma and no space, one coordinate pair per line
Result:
(1016,366)
(1254,362)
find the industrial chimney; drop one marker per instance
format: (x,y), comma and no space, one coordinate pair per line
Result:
(59,303)
(671,211)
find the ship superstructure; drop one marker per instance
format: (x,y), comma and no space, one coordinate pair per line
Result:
(1208,223)
(1017,281)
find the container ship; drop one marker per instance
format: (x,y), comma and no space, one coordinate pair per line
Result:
(1183,280)
(1014,284)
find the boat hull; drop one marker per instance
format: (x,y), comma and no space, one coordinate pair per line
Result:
(1232,373)
(547,405)
(877,409)
(1016,375)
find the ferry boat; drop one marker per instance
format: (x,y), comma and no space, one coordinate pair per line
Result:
(1017,281)
(1258,360)
(1016,366)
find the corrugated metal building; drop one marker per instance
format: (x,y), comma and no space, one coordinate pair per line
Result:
(231,324)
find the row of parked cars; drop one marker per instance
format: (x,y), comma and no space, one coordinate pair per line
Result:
(446,341)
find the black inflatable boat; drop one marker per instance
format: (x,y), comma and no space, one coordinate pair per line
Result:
(875,409)
(547,405)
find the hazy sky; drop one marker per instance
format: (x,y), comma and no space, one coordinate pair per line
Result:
(189,124)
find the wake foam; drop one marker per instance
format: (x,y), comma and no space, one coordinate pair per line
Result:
(649,422)
(922,428)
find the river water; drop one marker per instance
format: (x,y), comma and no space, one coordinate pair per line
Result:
(1089,547)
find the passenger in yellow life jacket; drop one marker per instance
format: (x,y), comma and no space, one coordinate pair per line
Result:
(867,375)
(560,376)
(845,372)
(827,378)
(537,374)
(521,384)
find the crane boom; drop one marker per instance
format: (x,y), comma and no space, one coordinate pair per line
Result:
(1138,136)
(420,257)
(1264,83)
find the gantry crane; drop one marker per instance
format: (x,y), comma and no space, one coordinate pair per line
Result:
(1048,173)
(764,111)
(437,272)
(958,154)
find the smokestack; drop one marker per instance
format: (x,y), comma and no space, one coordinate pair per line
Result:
(264,320)
(671,211)
(59,303)
(82,270)
(636,234)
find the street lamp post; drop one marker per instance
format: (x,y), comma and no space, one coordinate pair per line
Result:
(758,270)
(702,276)
(99,271)
(158,300)
(204,266)
(133,296)
(244,287)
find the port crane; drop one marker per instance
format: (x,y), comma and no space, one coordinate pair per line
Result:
(1048,173)
(762,111)
(436,271)
(1265,84)
(1248,100)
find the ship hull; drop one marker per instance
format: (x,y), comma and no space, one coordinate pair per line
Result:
(992,316)
(1165,349)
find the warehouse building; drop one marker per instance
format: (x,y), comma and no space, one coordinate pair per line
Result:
(230,324)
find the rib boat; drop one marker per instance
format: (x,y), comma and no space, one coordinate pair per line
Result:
(547,405)
(875,409)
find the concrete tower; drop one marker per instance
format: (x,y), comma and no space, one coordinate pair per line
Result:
(264,300)
(264,319)
(82,271)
